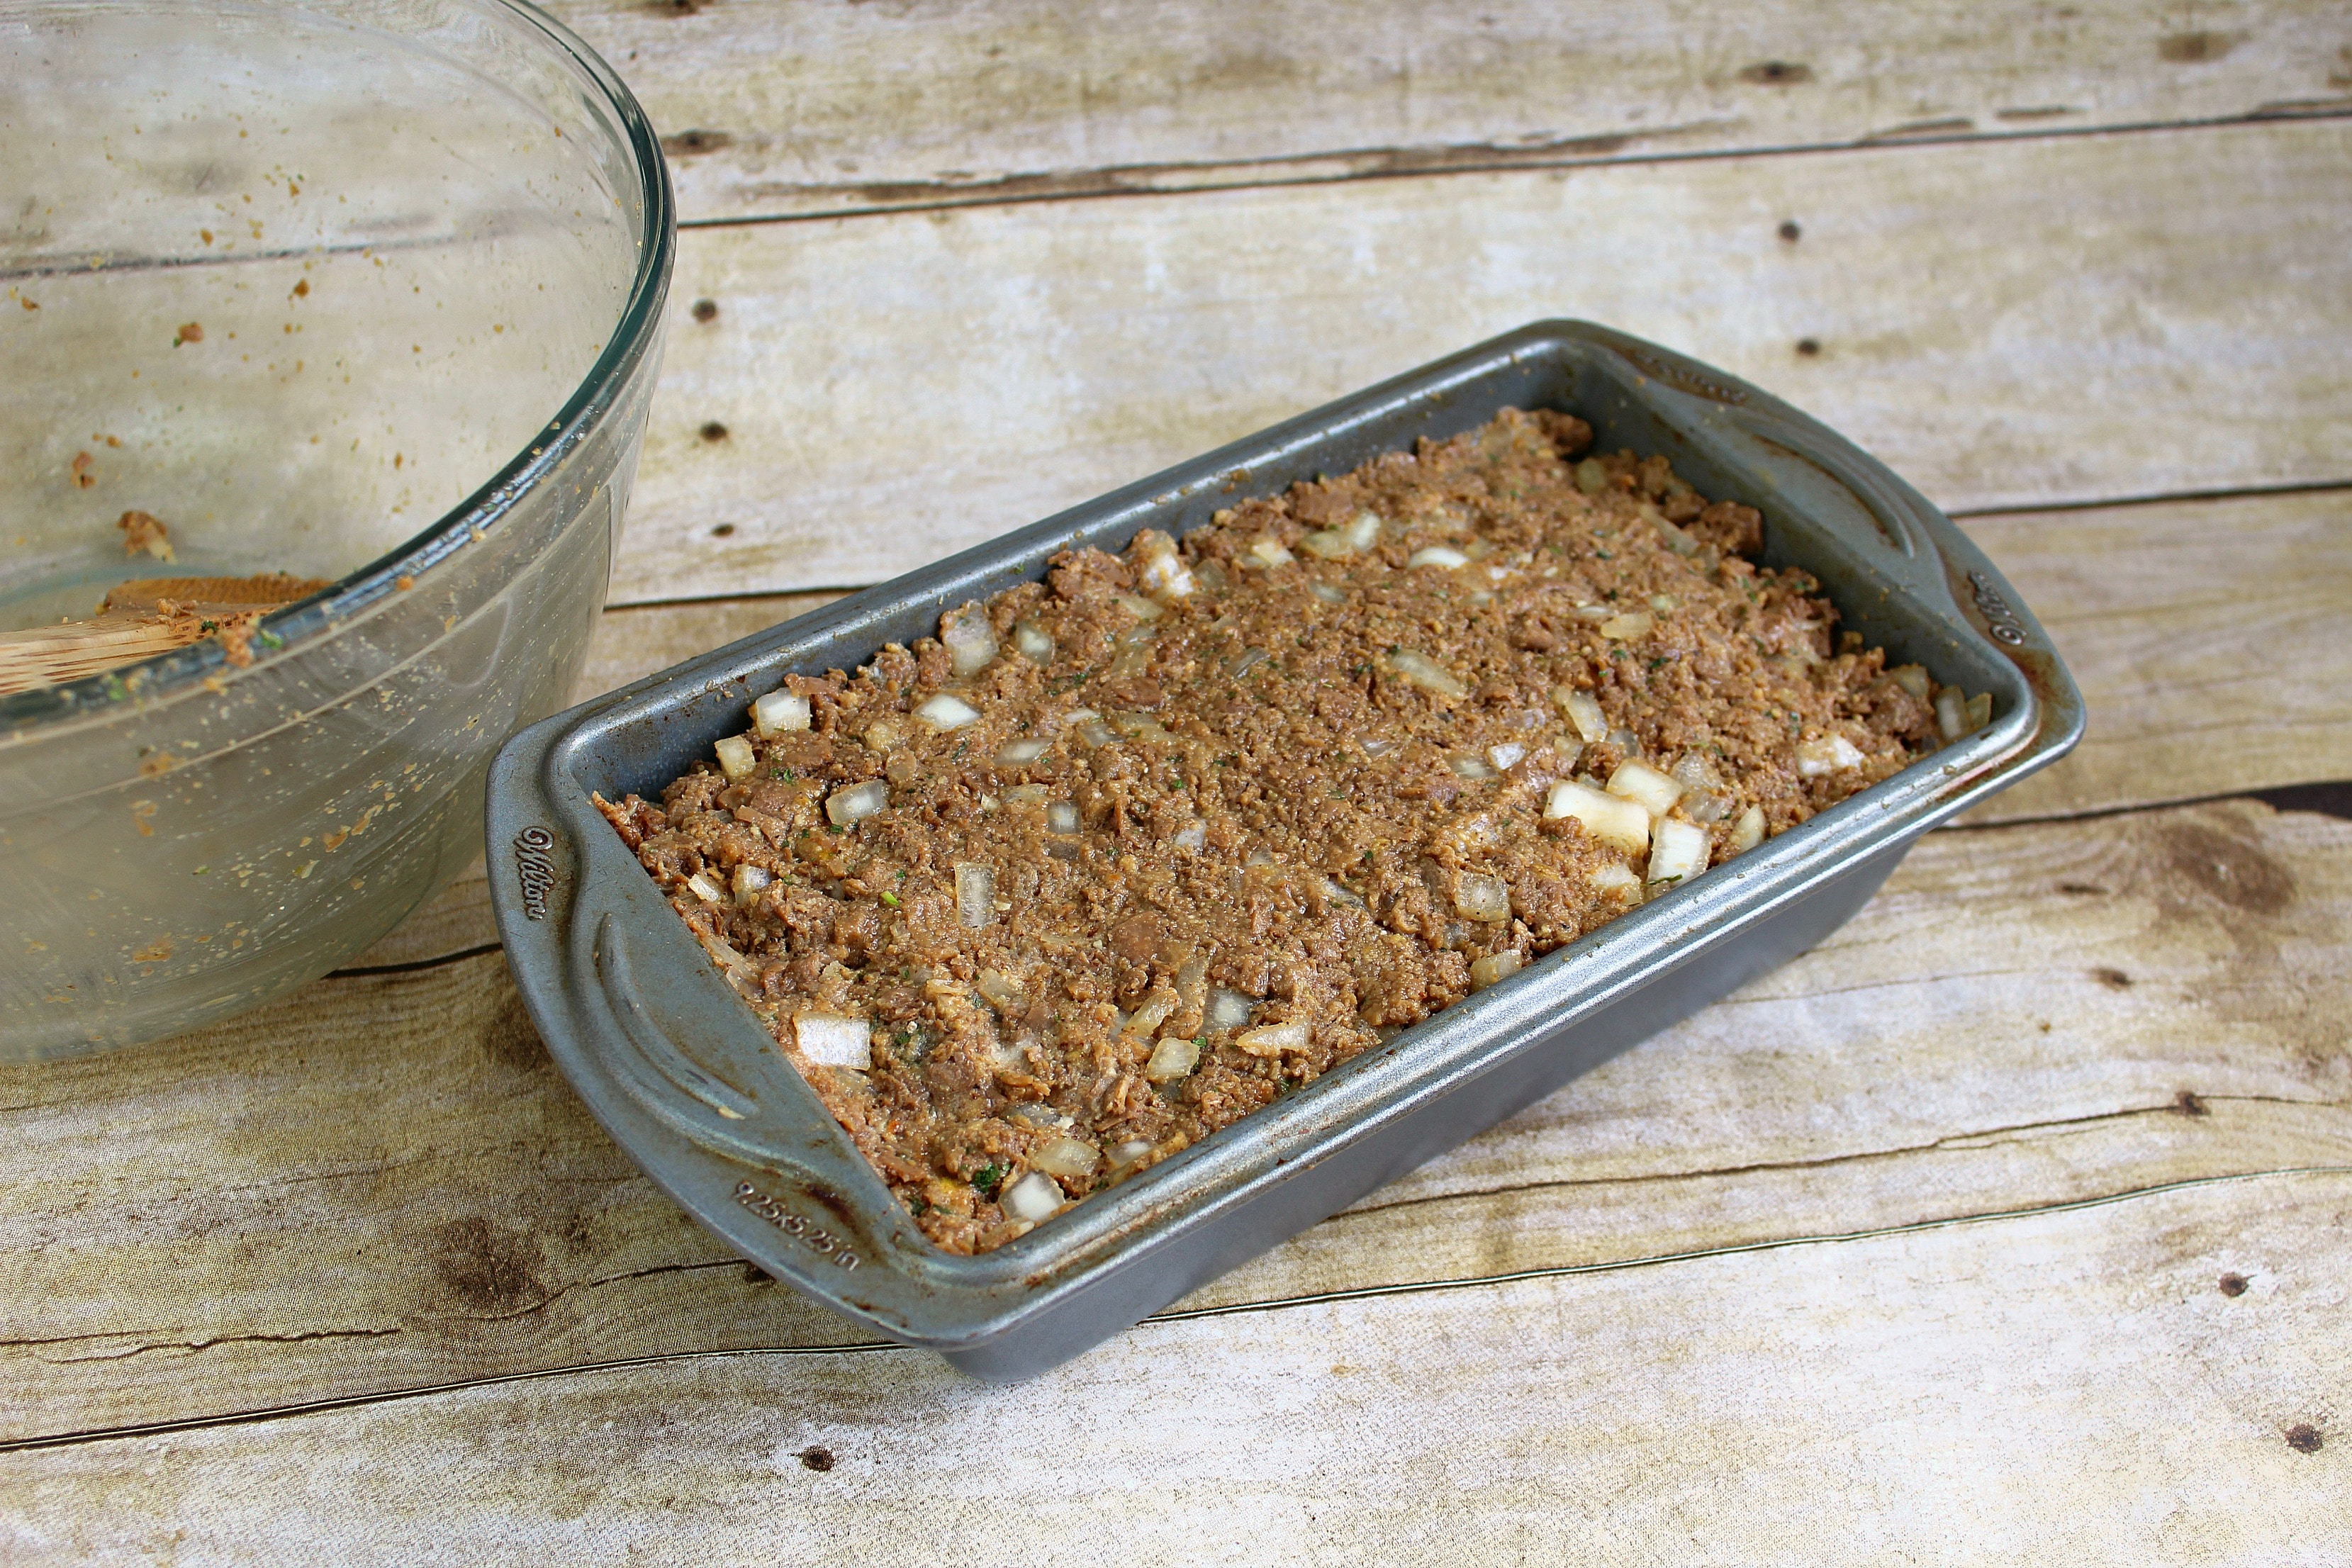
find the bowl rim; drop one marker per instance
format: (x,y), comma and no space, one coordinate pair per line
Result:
(311,620)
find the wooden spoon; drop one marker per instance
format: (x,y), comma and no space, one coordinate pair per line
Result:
(141,619)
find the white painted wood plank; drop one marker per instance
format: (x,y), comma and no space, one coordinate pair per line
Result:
(772,108)
(2209,640)
(2067,1388)
(382,1184)
(2014,324)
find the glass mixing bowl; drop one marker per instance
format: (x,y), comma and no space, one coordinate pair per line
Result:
(362,291)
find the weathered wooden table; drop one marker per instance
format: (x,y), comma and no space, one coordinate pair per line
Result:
(2015,1224)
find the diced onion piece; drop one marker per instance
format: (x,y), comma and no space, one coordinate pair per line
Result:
(1227,1009)
(1026,794)
(1472,834)
(1680,853)
(1979,711)
(1011,1056)
(1377,748)
(1442,557)
(1095,733)
(1951,713)
(1626,628)
(1593,613)
(1340,895)
(1270,551)
(1191,835)
(1911,677)
(1036,1115)
(1365,532)
(1467,766)
(736,758)
(1327,593)
(779,713)
(706,887)
(1139,727)
(1702,806)
(1000,991)
(970,640)
(1062,817)
(1619,822)
(975,896)
(1494,966)
(1189,976)
(1165,575)
(1677,540)
(1481,898)
(737,967)
(1638,781)
(1129,1151)
(833,1040)
(1273,1039)
(749,882)
(1583,710)
(1422,671)
(1627,743)
(1034,642)
(1506,756)
(1172,1059)
(1151,1013)
(1021,753)
(1249,659)
(947,711)
(1066,1157)
(858,802)
(1616,877)
(1749,831)
(881,737)
(1035,1197)
(1143,609)
(1691,772)
(1827,754)
(1699,803)
(1330,544)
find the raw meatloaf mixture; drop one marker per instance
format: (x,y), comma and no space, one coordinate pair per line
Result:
(1126,855)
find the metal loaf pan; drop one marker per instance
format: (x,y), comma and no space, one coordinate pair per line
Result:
(686,1079)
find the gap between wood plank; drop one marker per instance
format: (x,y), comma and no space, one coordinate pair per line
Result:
(1429,162)
(2242,492)
(1853,1157)
(358,1401)
(369,970)
(2330,798)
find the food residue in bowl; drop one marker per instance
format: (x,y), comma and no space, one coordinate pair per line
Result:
(144,530)
(149,616)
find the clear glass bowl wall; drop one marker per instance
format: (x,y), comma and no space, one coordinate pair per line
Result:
(363,292)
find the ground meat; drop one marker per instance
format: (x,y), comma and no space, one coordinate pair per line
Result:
(1164,838)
